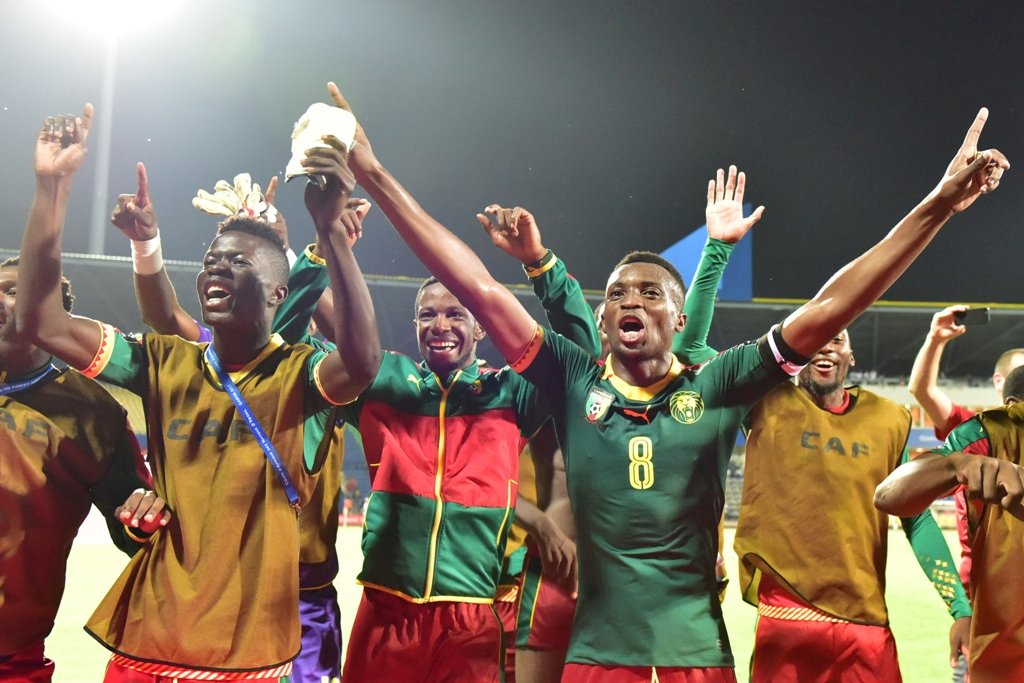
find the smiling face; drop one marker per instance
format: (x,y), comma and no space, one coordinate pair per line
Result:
(13,349)
(642,311)
(447,333)
(239,284)
(825,375)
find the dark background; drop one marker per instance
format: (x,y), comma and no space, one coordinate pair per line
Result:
(605,119)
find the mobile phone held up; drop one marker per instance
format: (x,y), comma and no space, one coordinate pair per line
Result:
(973,316)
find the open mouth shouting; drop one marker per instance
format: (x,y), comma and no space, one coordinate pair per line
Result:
(632,330)
(216,297)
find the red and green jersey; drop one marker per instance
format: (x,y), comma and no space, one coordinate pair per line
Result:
(443,458)
(218,587)
(646,470)
(64,445)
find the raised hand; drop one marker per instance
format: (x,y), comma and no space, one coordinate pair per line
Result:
(971,173)
(144,510)
(60,148)
(514,231)
(327,205)
(944,325)
(724,212)
(361,158)
(352,218)
(134,214)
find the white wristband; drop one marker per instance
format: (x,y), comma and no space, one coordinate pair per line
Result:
(147,257)
(292,258)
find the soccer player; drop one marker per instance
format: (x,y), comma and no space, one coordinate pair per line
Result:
(946,415)
(66,445)
(215,595)
(646,441)
(821,611)
(812,547)
(135,216)
(442,438)
(983,455)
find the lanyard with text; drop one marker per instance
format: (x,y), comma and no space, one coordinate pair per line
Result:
(12,387)
(254,427)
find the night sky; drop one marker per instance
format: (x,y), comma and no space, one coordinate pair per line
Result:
(604,119)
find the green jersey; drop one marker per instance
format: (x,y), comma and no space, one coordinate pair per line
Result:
(646,469)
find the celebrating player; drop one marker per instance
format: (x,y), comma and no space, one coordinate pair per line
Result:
(215,595)
(647,522)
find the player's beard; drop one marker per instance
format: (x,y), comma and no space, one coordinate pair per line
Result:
(819,390)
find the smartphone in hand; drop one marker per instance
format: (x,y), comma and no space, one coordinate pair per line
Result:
(973,316)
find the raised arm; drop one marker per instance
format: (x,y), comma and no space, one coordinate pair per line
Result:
(924,376)
(309,294)
(135,216)
(515,231)
(726,227)
(60,151)
(352,366)
(509,325)
(857,285)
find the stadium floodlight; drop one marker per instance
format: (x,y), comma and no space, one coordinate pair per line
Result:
(107,19)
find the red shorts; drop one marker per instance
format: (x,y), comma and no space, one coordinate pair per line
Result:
(396,640)
(29,665)
(796,642)
(546,610)
(595,673)
(119,673)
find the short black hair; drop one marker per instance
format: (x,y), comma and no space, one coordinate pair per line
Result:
(1014,384)
(658,260)
(419,292)
(66,294)
(259,228)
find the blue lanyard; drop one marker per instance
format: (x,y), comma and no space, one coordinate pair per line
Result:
(254,427)
(14,387)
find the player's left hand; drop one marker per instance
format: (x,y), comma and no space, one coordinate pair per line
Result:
(60,148)
(971,173)
(959,637)
(326,205)
(144,510)
(514,231)
(724,212)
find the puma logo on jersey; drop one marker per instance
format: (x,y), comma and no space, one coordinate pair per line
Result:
(414,379)
(813,441)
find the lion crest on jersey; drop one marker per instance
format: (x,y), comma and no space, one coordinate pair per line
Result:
(686,406)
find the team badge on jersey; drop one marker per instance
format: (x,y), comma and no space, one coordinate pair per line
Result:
(686,406)
(598,403)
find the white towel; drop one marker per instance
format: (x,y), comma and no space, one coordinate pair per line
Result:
(319,120)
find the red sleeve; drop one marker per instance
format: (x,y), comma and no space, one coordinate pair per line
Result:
(957,417)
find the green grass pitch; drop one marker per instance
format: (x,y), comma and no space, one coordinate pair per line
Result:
(919,619)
